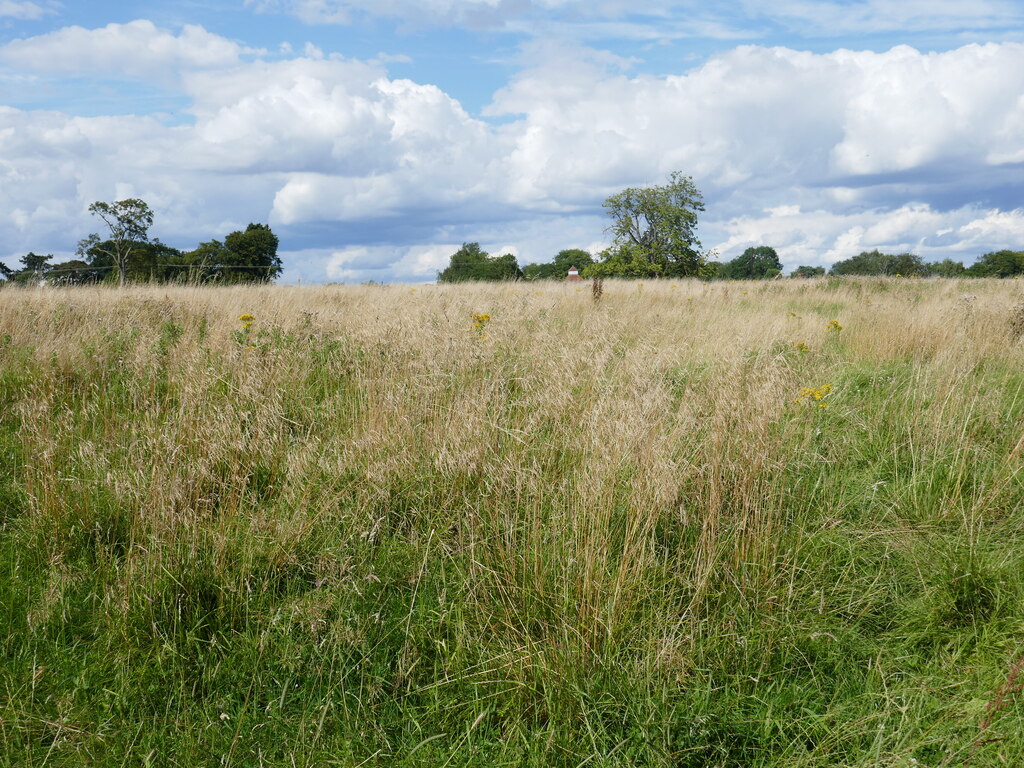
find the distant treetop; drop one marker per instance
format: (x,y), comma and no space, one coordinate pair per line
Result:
(471,263)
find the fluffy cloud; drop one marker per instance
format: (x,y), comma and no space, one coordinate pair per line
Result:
(846,126)
(21,9)
(53,165)
(138,49)
(368,176)
(334,123)
(384,263)
(822,237)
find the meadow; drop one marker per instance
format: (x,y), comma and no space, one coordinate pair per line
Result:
(687,524)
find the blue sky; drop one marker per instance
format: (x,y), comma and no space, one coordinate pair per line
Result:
(375,136)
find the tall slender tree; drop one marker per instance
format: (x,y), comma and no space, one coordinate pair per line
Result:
(129,222)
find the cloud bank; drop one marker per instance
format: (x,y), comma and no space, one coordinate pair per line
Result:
(367,175)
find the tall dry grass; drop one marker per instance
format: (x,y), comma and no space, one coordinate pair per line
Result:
(607,531)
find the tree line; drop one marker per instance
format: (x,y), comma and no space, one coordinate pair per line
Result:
(763,262)
(125,252)
(654,235)
(756,263)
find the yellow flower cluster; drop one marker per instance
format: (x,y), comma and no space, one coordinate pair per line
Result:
(815,395)
(833,327)
(801,347)
(246,321)
(480,321)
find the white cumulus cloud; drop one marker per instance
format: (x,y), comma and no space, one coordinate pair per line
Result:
(823,237)
(766,117)
(138,48)
(22,9)
(818,155)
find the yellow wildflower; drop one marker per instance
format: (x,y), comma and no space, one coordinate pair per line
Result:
(480,321)
(815,395)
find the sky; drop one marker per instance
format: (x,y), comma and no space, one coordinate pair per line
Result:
(377,136)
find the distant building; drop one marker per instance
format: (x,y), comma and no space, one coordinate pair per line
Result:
(573,276)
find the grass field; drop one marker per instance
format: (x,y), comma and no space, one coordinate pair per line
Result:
(686,525)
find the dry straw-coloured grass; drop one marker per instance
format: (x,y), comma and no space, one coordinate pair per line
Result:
(574,487)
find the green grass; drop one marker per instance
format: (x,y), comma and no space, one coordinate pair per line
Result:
(359,544)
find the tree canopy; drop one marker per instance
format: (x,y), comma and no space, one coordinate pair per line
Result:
(877,263)
(248,255)
(471,262)
(946,268)
(803,271)
(244,257)
(1003,263)
(34,268)
(128,222)
(655,231)
(755,263)
(559,266)
(654,235)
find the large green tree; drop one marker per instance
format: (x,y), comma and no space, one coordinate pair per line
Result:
(946,268)
(253,254)
(877,263)
(805,271)
(471,262)
(654,230)
(248,256)
(128,222)
(35,266)
(627,261)
(753,264)
(205,262)
(1003,263)
(150,261)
